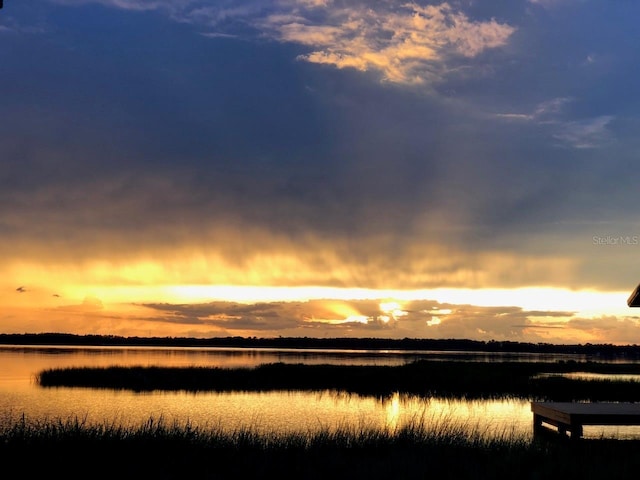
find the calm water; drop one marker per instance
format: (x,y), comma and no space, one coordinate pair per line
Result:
(291,411)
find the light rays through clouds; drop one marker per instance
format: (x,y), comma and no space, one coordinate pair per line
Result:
(320,167)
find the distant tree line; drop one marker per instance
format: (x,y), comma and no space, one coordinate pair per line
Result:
(464,345)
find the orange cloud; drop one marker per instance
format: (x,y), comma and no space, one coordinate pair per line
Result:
(409,45)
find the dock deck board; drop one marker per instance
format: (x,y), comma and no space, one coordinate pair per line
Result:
(572,416)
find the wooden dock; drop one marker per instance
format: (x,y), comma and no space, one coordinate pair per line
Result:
(572,416)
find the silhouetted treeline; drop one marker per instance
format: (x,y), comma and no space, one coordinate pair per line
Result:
(605,350)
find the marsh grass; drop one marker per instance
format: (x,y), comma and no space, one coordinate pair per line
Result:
(466,380)
(156,449)
(438,448)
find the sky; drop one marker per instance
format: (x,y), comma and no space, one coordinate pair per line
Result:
(320,168)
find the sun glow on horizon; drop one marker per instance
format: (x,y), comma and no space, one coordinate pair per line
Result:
(390,300)
(579,302)
(532,313)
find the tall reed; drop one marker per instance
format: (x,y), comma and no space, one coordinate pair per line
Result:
(75,448)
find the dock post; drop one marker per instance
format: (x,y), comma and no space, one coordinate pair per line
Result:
(538,428)
(576,431)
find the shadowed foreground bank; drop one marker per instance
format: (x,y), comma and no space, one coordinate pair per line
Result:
(535,380)
(73,449)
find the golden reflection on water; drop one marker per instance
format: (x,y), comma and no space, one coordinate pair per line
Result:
(618,377)
(504,418)
(268,412)
(296,411)
(393,412)
(277,411)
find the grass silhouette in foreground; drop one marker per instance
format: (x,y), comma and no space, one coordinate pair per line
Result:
(156,450)
(426,378)
(160,451)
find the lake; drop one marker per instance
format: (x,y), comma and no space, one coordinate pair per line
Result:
(273,411)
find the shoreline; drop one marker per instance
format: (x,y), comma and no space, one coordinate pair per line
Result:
(351,343)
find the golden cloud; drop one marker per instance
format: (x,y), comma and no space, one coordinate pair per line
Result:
(407,45)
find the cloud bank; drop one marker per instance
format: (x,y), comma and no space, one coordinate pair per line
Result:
(348,144)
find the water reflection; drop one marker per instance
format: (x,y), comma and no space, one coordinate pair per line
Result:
(393,412)
(618,377)
(268,412)
(248,357)
(498,418)
(280,412)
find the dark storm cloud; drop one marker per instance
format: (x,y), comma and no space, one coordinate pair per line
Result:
(490,322)
(233,316)
(424,318)
(375,134)
(276,316)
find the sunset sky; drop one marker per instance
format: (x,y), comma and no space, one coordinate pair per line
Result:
(321,168)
